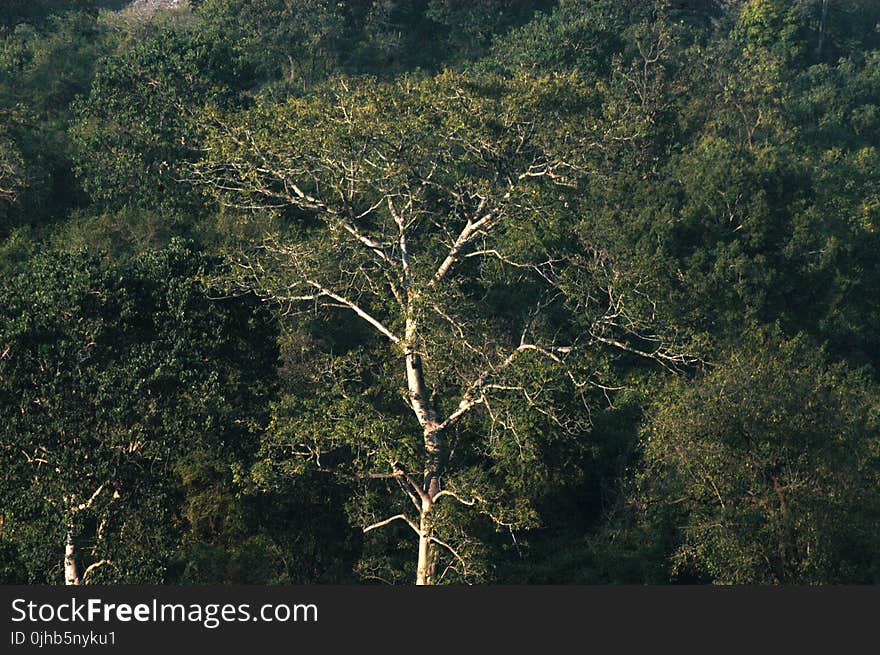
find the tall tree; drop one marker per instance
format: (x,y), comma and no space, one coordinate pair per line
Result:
(434,213)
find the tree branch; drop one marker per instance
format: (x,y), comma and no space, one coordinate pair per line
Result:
(357,309)
(92,567)
(396,517)
(88,503)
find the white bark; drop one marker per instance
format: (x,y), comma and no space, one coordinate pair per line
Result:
(392,287)
(71,573)
(423,570)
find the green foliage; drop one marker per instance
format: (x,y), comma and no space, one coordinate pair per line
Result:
(769,464)
(289,44)
(42,69)
(716,177)
(133,130)
(36,12)
(579,34)
(110,379)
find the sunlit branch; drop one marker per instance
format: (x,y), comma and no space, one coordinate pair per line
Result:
(396,517)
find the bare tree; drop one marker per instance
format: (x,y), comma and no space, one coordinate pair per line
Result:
(406,199)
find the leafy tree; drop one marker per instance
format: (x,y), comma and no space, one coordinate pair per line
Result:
(431,211)
(33,12)
(594,189)
(769,464)
(288,44)
(134,129)
(585,35)
(42,69)
(111,380)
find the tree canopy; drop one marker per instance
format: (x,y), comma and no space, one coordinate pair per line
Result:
(439,291)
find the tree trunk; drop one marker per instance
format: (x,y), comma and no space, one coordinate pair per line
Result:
(822,24)
(423,408)
(424,572)
(71,573)
(434,450)
(433,459)
(433,469)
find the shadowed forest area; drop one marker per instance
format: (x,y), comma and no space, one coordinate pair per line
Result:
(440,291)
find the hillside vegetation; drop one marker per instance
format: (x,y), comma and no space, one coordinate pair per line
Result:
(440,291)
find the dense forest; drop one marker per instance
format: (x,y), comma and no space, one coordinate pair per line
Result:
(440,291)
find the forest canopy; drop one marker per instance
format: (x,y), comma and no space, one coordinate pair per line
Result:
(440,291)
